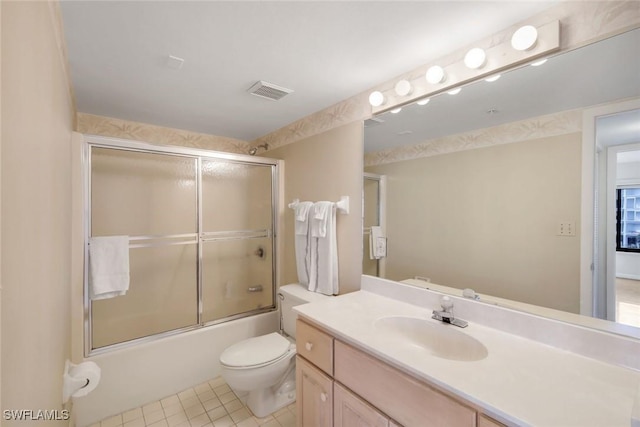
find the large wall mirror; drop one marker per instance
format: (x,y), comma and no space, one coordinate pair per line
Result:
(483,188)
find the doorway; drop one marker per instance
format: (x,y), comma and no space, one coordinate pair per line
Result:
(607,130)
(623,233)
(373,201)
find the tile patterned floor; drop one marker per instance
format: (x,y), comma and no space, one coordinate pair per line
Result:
(210,404)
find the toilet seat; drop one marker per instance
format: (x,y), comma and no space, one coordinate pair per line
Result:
(257,351)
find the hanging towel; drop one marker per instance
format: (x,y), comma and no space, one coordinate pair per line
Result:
(377,243)
(323,272)
(301,219)
(320,217)
(108,266)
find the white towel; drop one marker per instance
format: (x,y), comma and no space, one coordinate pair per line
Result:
(108,266)
(323,271)
(301,219)
(320,217)
(377,248)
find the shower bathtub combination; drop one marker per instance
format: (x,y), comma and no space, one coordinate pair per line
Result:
(201,227)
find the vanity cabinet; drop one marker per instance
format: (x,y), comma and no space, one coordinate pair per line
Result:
(339,385)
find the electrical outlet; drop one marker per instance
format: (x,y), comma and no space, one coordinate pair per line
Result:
(566,228)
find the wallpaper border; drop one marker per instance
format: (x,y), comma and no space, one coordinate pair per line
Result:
(118,128)
(562,123)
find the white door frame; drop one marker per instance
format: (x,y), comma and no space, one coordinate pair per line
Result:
(382,213)
(590,259)
(612,167)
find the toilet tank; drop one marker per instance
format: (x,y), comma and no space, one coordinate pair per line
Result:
(290,296)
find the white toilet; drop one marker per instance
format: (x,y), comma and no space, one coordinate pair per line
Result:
(264,366)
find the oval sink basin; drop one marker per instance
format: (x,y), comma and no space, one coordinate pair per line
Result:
(438,339)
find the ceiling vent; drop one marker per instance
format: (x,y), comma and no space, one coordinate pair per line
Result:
(269,91)
(373,121)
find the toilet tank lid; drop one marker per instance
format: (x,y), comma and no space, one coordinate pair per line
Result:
(301,293)
(255,351)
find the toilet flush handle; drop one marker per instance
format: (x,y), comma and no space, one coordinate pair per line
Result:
(308,346)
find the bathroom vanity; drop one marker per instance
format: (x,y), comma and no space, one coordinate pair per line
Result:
(339,385)
(370,358)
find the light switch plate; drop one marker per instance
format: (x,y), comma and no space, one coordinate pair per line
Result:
(566,228)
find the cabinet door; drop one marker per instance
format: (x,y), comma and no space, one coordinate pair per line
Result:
(351,411)
(314,396)
(486,421)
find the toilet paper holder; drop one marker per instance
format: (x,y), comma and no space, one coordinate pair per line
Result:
(79,380)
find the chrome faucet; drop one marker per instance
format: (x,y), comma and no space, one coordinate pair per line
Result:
(446,315)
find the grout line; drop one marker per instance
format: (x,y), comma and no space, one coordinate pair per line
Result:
(156,412)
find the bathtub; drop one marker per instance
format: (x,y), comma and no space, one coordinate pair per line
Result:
(144,373)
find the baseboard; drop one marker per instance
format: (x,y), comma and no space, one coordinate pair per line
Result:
(628,276)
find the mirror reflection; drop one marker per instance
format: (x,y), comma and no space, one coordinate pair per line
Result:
(482,189)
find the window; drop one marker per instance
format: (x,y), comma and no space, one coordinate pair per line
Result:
(628,219)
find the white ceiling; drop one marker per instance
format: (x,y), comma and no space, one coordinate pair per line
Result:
(326,51)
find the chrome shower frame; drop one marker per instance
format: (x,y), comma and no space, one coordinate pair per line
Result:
(198,238)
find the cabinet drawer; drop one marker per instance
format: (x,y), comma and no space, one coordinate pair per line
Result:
(315,346)
(395,393)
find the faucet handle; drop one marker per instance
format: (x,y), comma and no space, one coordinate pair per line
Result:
(446,303)
(470,293)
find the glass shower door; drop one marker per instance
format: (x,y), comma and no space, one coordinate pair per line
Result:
(237,238)
(151,198)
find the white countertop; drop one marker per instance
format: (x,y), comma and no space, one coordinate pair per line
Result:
(520,382)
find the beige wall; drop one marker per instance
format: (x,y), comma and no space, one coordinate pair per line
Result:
(1,406)
(326,167)
(487,219)
(37,117)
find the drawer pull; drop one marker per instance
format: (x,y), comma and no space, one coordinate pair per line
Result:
(308,346)
(323,397)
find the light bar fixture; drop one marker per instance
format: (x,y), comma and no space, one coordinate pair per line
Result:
(526,45)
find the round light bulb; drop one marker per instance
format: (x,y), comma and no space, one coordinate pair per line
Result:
(435,75)
(492,78)
(376,99)
(454,91)
(525,38)
(403,88)
(423,101)
(396,110)
(475,58)
(538,63)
